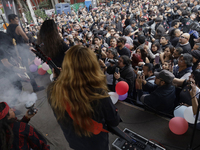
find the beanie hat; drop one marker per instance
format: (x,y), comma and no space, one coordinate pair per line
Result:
(196,54)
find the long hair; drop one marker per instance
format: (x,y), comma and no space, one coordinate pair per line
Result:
(4,130)
(80,82)
(49,35)
(171,48)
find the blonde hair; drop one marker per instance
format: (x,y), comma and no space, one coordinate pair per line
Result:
(80,82)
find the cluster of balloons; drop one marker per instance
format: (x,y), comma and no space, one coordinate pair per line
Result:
(185,112)
(41,68)
(121,93)
(183,115)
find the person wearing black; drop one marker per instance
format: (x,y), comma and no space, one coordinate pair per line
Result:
(186,21)
(16,32)
(162,94)
(121,48)
(125,73)
(83,87)
(174,36)
(164,41)
(54,47)
(174,25)
(184,43)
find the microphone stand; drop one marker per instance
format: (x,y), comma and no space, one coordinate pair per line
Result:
(194,130)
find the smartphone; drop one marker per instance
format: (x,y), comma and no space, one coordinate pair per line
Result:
(117,70)
(157,58)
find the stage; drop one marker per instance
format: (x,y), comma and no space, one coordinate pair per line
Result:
(144,123)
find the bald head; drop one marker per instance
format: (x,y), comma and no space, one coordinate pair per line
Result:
(184,38)
(187,35)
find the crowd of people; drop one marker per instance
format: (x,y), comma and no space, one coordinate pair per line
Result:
(154,46)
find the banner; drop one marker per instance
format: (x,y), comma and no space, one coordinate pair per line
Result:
(9,7)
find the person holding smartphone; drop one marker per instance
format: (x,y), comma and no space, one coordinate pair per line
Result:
(123,71)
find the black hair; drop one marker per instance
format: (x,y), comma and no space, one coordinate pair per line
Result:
(5,129)
(143,54)
(126,32)
(141,39)
(196,74)
(166,36)
(150,67)
(157,44)
(11,17)
(175,22)
(122,39)
(97,36)
(179,50)
(126,60)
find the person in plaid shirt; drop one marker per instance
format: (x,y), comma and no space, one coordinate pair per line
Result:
(18,135)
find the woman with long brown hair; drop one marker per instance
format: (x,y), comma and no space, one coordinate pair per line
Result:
(79,98)
(54,45)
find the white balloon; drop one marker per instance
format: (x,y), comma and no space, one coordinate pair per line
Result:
(114,97)
(51,77)
(189,116)
(179,111)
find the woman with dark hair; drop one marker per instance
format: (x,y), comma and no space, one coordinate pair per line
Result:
(54,46)
(79,98)
(18,135)
(143,54)
(167,54)
(155,50)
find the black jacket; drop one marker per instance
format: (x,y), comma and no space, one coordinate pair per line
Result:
(126,74)
(161,99)
(105,113)
(186,48)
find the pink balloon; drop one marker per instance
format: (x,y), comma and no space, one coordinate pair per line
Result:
(178,125)
(45,66)
(37,61)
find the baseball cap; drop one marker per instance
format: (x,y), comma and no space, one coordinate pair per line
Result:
(165,75)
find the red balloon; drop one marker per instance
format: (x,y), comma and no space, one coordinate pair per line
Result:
(121,88)
(178,125)
(41,71)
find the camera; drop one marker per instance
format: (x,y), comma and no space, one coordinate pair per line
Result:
(113,61)
(30,106)
(138,67)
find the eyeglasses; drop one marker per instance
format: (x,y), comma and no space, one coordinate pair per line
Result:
(183,37)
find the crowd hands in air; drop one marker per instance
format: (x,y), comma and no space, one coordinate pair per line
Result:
(139,38)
